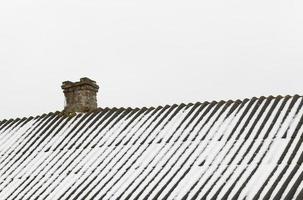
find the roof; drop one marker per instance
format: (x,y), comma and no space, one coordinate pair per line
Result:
(244,149)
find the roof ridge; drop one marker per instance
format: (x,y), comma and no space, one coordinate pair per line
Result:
(150,107)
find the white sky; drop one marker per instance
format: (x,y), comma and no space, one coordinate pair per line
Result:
(148,53)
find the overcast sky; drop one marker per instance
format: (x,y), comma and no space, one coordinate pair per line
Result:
(148,53)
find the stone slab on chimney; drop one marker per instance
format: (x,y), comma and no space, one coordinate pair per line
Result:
(80,96)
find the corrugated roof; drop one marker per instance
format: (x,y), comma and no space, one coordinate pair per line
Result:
(249,149)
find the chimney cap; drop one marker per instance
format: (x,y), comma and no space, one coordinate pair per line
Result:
(83,81)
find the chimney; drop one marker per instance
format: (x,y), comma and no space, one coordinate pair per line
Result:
(80,96)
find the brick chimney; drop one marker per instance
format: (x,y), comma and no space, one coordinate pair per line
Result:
(80,96)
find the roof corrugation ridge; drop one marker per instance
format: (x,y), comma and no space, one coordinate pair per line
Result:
(218,190)
(115,147)
(229,191)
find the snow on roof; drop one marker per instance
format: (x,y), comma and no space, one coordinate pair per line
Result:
(250,149)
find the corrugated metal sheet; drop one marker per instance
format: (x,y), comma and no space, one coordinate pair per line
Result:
(250,149)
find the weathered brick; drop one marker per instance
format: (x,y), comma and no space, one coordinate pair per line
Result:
(80,96)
